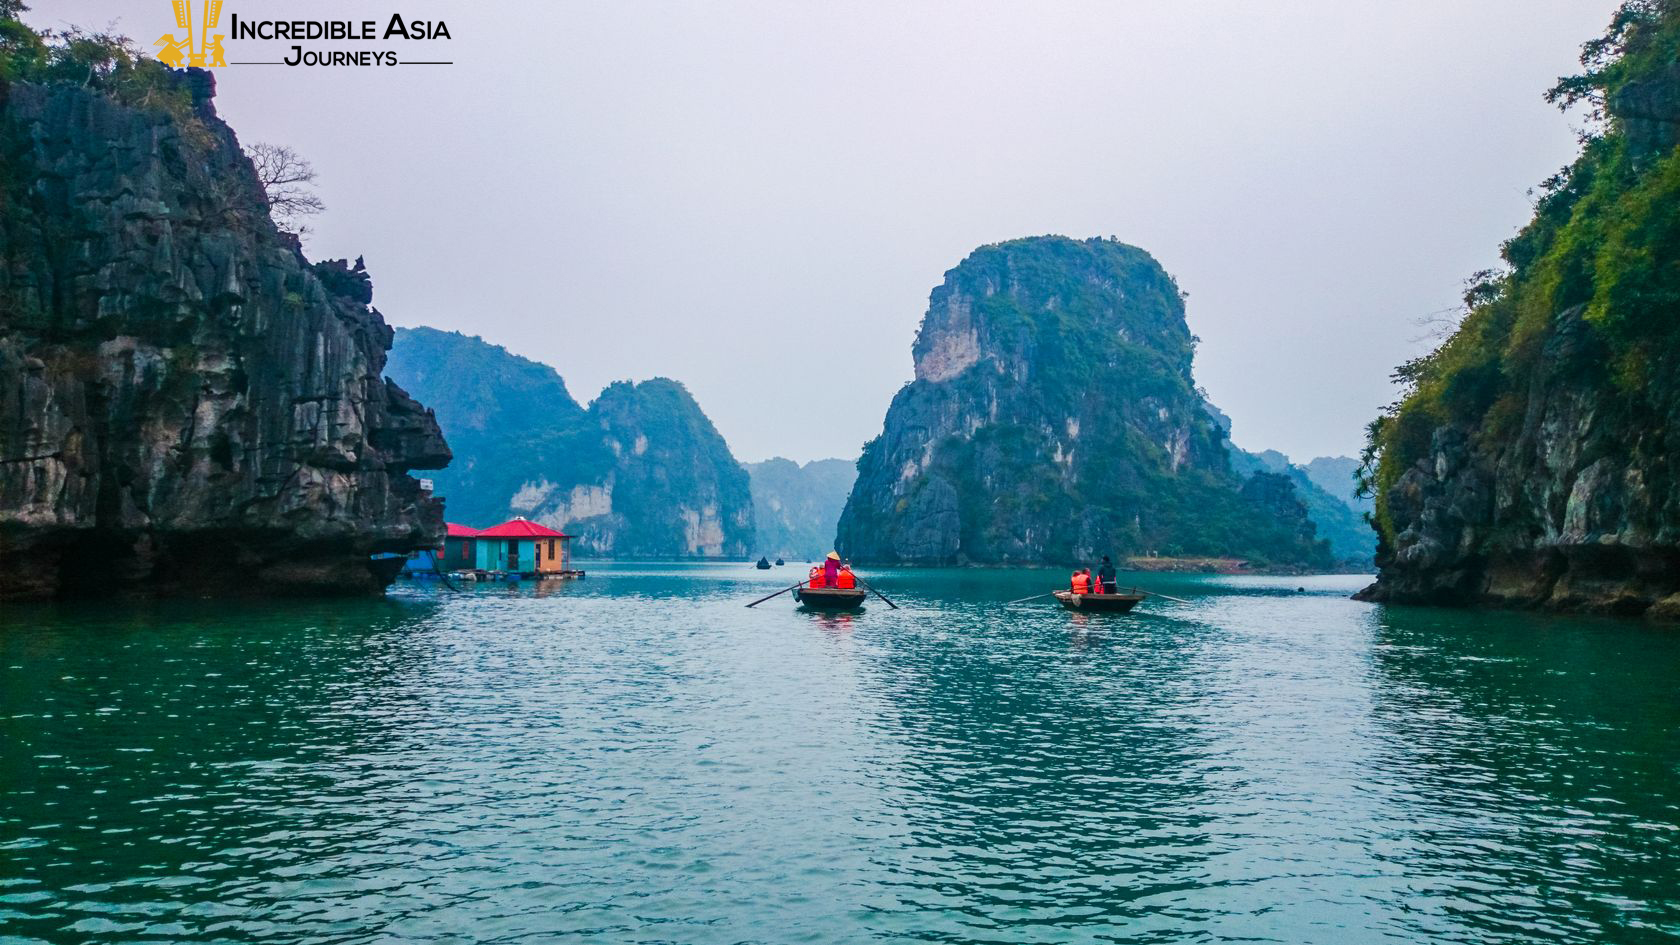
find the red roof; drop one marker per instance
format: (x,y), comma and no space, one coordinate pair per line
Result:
(461,531)
(520,528)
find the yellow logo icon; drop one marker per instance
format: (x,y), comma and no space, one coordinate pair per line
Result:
(207,50)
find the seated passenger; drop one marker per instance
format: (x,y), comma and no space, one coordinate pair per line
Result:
(845,580)
(816,579)
(1082,582)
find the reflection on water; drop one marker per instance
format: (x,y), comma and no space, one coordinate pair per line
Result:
(637,757)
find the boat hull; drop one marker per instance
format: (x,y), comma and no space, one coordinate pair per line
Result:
(830,598)
(1098,603)
(385,568)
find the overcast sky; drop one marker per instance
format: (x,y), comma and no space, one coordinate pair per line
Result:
(757,198)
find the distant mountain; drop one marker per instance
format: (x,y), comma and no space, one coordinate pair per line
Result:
(1330,503)
(797,507)
(640,473)
(1335,475)
(1339,522)
(1054,418)
(491,390)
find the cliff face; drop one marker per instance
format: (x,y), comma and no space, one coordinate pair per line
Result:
(186,404)
(673,487)
(1578,508)
(1053,418)
(1531,462)
(641,473)
(797,507)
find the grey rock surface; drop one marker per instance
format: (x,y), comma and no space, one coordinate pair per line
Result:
(187,405)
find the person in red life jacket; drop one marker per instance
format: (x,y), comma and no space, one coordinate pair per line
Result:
(845,580)
(817,578)
(1082,581)
(831,568)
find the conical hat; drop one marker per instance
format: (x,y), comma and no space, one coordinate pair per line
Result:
(835,555)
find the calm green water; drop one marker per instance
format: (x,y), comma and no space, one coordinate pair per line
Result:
(638,758)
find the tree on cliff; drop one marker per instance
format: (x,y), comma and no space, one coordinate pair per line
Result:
(288,179)
(1602,242)
(21,48)
(104,61)
(1529,455)
(213,423)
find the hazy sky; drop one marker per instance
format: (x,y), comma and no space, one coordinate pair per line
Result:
(757,198)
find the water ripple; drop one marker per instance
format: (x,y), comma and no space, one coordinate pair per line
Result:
(638,758)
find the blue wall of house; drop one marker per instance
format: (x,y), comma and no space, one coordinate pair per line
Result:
(420,561)
(494,554)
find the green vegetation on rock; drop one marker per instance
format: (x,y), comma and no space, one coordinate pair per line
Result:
(188,405)
(641,473)
(1054,418)
(1530,460)
(104,62)
(1336,518)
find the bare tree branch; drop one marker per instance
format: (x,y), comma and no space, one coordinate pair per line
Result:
(289,181)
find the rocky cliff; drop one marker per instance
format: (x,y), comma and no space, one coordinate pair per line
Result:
(640,473)
(797,507)
(1053,418)
(1531,462)
(186,403)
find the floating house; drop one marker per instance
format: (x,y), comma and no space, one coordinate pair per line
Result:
(460,548)
(521,546)
(518,548)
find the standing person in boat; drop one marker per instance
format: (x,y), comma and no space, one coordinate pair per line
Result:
(1105,577)
(831,568)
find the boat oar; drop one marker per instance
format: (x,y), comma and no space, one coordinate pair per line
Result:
(1167,596)
(1025,599)
(877,593)
(777,594)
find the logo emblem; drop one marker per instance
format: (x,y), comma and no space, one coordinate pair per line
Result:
(201,49)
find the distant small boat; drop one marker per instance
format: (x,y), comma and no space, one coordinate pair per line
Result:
(780,562)
(763,564)
(1103,603)
(830,598)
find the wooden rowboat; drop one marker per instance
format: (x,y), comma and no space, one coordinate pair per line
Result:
(831,598)
(1099,603)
